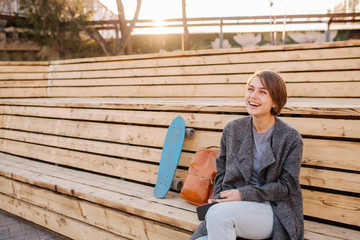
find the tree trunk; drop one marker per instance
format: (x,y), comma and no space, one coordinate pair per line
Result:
(186,36)
(124,29)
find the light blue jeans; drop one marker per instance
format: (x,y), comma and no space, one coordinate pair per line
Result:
(229,220)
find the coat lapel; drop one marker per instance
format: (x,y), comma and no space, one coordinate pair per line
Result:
(268,158)
(244,157)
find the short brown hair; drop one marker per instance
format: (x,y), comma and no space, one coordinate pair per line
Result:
(274,83)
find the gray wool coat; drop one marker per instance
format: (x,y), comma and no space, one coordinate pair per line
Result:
(279,174)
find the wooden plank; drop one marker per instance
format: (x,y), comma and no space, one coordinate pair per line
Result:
(150,118)
(337,76)
(107,219)
(25,63)
(348,203)
(1,115)
(151,209)
(24,69)
(331,153)
(276,56)
(290,47)
(39,169)
(329,89)
(22,92)
(291,66)
(311,177)
(342,128)
(129,134)
(138,171)
(333,207)
(307,106)
(306,126)
(163,91)
(23,76)
(334,180)
(317,152)
(20,84)
(54,221)
(316,236)
(323,106)
(320,231)
(142,153)
(344,89)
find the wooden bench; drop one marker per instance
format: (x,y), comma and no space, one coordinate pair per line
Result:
(80,140)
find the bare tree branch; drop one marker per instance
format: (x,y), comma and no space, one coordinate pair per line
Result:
(93,33)
(125,36)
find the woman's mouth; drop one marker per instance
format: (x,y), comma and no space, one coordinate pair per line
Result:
(254,104)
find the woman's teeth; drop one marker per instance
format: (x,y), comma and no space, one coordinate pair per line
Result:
(254,104)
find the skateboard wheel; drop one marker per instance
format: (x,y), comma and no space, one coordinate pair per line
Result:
(177,185)
(189,132)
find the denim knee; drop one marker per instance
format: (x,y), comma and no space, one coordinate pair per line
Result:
(215,215)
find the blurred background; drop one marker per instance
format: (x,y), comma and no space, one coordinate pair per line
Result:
(63,29)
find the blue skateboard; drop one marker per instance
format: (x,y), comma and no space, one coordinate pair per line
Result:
(170,156)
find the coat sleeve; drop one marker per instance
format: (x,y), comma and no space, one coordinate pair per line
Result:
(220,167)
(286,186)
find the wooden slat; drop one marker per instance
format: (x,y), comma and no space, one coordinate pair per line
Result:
(291,66)
(344,89)
(1,115)
(127,188)
(26,63)
(320,231)
(54,221)
(142,153)
(162,91)
(276,56)
(329,89)
(312,200)
(334,180)
(22,92)
(307,106)
(107,219)
(19,84)
(133,170)
(152,209)
(333,207)
(24,69)
(306,126)
(332,154)
(337,76)
(137,135)
(306,46)
(321,153)
(23,76)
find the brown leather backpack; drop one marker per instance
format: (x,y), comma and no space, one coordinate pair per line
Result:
(199,182)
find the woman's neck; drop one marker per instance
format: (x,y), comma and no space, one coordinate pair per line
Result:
(262,124)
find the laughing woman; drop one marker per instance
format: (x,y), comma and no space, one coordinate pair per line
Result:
(257,183)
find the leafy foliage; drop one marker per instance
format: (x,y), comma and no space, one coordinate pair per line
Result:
(48,24)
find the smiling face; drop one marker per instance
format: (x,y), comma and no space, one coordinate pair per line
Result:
(258,101)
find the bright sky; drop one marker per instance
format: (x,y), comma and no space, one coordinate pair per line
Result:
(166,9)
(162,9)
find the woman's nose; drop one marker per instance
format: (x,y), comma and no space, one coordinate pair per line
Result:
(254,94)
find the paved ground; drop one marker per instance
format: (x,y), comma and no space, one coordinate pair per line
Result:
(13,228)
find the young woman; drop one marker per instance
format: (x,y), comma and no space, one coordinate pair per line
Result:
(257,183)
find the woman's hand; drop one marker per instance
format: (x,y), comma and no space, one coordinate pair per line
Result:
(229,195)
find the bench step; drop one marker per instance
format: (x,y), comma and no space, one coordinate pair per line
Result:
(105,207)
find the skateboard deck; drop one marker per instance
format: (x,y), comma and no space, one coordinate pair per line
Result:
(170,156)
